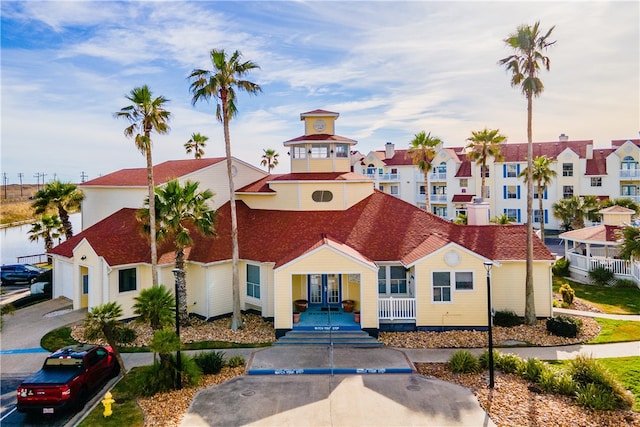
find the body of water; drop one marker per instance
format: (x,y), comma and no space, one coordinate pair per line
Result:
(14,241)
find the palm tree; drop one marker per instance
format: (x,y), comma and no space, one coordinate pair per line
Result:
(624,202)
(630,247)
(573,211)
(221,84)
(269,159)
(102,322)
(483,144)
(146,114)
(49,228)
(461,219)
(155,305)
(524,64)
(196,144)
(64,197)
(542,175)
(176,208)
(421,151)
(502,219)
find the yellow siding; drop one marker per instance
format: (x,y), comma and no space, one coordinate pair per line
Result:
(320,165)
(328,121)
(196,290)
(99,203)
(324,261)
(507,287)
(299,165)
(221,294)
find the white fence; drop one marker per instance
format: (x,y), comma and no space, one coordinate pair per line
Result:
(619,267)
(397,308)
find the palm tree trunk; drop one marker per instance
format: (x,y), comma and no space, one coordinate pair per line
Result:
(182,288)
(66,223)
(236,319)
(529,308)
(483,177)
(152,214)
(111,340)
(427,192)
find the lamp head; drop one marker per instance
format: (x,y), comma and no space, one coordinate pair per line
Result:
(488,265)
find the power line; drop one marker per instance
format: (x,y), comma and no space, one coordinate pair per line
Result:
(83,176)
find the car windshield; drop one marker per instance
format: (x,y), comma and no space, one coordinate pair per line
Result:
(31,268)
(63,362)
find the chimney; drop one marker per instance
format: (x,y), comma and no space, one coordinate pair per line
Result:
(389,150)
(563,137)
(589,153)
(478,212)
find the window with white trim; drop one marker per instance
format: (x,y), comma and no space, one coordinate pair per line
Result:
(392,280)
(445,281)
(342,150)
(537,217)
(567,191)
(322,196)
(253,281)
(596,181)
(567,169)
(127,280)
(320,151)
(299,152)
(511,171)
(394,190)
(513,214)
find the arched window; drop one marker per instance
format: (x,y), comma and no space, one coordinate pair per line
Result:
(629,163)
(322,196)
(442,168)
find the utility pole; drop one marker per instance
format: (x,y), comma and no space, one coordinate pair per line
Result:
(37,177)
(83,176)
(42,174)
(4,180)
(20,174)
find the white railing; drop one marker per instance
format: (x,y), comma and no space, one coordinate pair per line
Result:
(442,198)
(610,252)
(437,176)
(397,308)
(635,271)
(629,173)
(634,197)
(619,267)
(383,177)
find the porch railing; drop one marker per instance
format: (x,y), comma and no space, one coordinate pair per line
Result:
(617,266)
(397,308)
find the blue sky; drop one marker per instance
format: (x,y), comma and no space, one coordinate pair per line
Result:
(391,69)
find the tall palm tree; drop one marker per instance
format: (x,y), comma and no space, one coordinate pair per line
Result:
(524,64)
(484,144)
(573,211)
(542,175)
(196,145)
(146,114)
(102,322)
(176,208)
(221,84)
(630,247)
(155,305)
(48,228)
(421,151)
(62,196)
(269,159)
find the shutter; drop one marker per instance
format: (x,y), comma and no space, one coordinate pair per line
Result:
(504,192)
(518,213)
(518,191)
(504,171)
(545,196)
(518,169)
(546,216)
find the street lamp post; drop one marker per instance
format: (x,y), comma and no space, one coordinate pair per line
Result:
(487,266)
(175,272)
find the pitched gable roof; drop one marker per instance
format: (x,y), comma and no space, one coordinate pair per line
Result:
(262,185)
(598,164)
(162,173)
(381,228)
(518,152)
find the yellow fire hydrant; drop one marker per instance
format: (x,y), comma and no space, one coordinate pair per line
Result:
(107,402)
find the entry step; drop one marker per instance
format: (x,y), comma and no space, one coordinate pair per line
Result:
(337,338)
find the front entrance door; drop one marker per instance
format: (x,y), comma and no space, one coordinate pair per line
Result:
(324,290)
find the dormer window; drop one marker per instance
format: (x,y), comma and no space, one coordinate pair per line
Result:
(342,150)
(320,151)
(299,152)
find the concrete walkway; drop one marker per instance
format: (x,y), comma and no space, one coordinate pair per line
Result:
(630,317)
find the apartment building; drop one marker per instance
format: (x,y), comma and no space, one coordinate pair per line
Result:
(454,181)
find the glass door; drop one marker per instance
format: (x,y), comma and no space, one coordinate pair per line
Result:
(324,289)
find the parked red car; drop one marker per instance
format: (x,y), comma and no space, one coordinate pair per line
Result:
(67,379)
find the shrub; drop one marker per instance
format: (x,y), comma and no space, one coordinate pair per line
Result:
(484,359)
(509,363)
(153,379)
(210,362)
(565,384)
(125,335)
(506,318)
(548,379)
(191,372)
(567,293)
(561,267)
(601,275)
(462,361)
(235,361)
(564,326)
(587,371)
(531,369)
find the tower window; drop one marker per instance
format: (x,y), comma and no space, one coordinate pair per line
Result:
(322,196)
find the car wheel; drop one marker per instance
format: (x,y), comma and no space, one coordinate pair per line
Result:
(115,371)
(81,399)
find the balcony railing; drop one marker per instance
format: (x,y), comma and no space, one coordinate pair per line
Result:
(384,177)
(397,308)
(619,267)
(629,173)
(437,176)
(441,198)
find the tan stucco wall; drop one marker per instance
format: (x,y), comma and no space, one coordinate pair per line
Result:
(100,202)
(469,308)
(325,260)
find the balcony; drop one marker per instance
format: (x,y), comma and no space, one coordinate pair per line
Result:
(629,173)
(438,198)
(437,176)
(384,177)
(397,308)
(635,197)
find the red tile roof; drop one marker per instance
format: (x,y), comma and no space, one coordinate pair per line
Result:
(318,113)
(598,164)
(400,158)
(262,185)
(321,137)
(518,152)
(464,171)
(280,236)
(162,173)
(598,233)
(618,142)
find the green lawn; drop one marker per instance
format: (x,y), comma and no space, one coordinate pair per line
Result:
(612,300)
(616,331)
